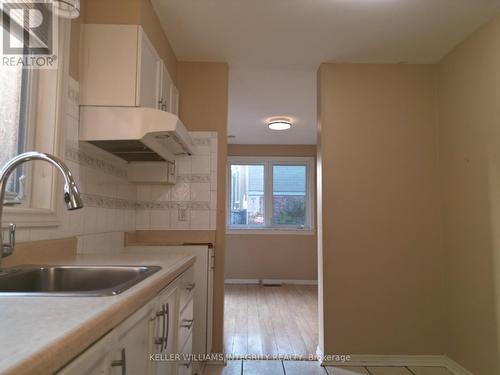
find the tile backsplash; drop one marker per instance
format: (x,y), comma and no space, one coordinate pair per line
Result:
(113,205)
(191,202)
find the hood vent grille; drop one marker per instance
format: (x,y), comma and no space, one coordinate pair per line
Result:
(129,150)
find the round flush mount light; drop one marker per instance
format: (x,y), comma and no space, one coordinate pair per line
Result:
(67,8)
(281,124)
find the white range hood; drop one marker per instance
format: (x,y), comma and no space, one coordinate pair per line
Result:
(135,134)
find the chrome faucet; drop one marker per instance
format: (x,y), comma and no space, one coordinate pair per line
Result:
(71,192)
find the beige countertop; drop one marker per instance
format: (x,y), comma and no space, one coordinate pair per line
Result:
(39,335)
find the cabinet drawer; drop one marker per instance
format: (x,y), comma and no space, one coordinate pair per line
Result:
(186,287)
(186,323)
(185,366)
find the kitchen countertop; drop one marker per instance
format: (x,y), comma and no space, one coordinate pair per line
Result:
(42,334)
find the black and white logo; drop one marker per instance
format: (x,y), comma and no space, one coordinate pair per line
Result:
(29,33)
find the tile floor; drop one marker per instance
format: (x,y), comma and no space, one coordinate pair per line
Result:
(313,368)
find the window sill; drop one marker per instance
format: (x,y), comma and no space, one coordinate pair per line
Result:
(30,217)
(271,231)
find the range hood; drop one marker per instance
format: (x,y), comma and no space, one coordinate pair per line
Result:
(135,133)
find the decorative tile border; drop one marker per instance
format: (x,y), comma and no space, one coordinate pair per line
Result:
(100,201)
(200,141)
(80,157)
(172,205)
(193,178)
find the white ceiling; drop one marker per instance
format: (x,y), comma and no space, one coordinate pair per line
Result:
(256,95)
(273,46)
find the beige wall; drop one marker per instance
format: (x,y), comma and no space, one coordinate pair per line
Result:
(271,256)
(203,107)
(271,150)
(382,259)
(469,104)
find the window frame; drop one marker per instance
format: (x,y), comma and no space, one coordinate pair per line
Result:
(47,116)
(268,162)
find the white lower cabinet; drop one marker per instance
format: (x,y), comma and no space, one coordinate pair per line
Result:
(162,329)
(165,320)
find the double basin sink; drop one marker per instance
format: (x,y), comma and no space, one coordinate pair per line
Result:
(72,281)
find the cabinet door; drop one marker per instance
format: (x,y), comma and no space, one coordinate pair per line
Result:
(133,343)
(174,100)
(165,83)
(165,331)
(94,361)
(185,366)
(148,73)
(109,65)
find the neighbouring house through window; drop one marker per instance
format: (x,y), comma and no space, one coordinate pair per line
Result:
(270,193)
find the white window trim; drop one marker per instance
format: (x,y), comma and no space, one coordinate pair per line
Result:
(49,114)
(268,228)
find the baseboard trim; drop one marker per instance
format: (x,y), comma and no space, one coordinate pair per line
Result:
(270,281)
(456,367)
(400,360)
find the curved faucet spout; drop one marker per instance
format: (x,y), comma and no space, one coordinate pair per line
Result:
(71,192)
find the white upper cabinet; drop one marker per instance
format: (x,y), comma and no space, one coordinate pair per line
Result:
(148,73)
(120,67)
(164,88)
(174,100)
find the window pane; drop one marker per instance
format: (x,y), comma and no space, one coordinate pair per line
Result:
(289,195)
(12,108)
(247,195)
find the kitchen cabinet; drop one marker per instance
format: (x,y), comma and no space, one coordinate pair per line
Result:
(200,289)
(133,344)
(163,91)
(153,329)
(164,330)
(120,67)
(148,73)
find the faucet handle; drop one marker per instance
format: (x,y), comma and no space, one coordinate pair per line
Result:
(12,235)
(8,248)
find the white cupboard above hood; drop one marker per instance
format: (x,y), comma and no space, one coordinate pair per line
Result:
(135,133)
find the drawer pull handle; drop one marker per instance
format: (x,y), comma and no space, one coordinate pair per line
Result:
(121,362)
(162,340)
(190,287)
(187,323)
(167,308)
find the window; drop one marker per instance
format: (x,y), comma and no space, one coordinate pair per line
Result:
(31,115)
(270,193)
(16,135)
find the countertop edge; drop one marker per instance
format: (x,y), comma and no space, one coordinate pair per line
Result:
(63,350)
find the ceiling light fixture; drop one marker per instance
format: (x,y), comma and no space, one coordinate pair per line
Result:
(279,124)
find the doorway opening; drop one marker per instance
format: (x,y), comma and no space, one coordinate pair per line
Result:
(271,293)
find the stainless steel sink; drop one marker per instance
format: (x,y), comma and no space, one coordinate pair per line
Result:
(84,281)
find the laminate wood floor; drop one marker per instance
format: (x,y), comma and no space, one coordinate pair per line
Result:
(244,367)
(271,321)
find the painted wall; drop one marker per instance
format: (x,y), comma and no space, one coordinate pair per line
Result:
(381,259)
(203,107)
(271,256)
(469,114)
